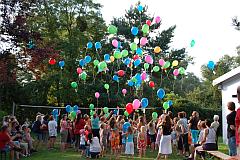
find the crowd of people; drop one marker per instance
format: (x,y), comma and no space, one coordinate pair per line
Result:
(115,134)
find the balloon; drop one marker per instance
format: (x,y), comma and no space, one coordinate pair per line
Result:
(151,84)
(55,112)
(112,58)
(126,125)
(61,63)
(166,65)
(181,70)
(130,83)
(116,78)
(52,61)
(89,45)
(175,72)
(106,57)
(136,104)
(74,84)
(75,108)
(161,62)
(124,53)
(115,43)
(211,65)
(145,28)
(68,108)
(105,110)
(126,113)
(124,91)
(136,40)
(112,29)
(146,66)
(156,68)
(135,57)
(102,65)
(160,93)
(137,62)
(165,105)
(134,31)
(97,95)
(139,51)
(144,75)
(140,8)
(79,70)
(192,43)
(157,19)
(82,62)
(127,61)
(154,115)
(98,45)
(143,41)
(170,103)
(133,46)
(106,86)
(121,73)
(91,113)
(175,63)
(95,62)
(87,59)
(144,102)
(148,22)
(129,108)
(148,59)
(91,106)
(73,115)
(157,49)
(117,54)
(83,75)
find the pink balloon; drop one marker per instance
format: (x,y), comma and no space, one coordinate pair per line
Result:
(143,41)
(157,19)
(175,72)
(124,91)
(97,95)
(79,111)
(115,43)
(136,104)
(149,59)
(144,75)
(79,70)
(161,62)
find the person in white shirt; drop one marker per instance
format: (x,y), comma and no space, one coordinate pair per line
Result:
(52,130)
(82,145)
(95,147)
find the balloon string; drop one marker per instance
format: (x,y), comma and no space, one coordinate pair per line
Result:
(161,78)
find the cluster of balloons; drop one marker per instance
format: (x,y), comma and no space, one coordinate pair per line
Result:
(72,111)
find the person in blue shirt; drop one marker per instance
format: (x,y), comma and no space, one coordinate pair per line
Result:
(129,150)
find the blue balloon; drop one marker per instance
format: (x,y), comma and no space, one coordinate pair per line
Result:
(144,102)
(138,84)
(137,62)
(170,102)
(89,45)
(130,83)
(98,45)
(106,57)
(87,59)
(138,77)
(116,78)
(115,111)
(211,65)
(61,63)
(68,108)
(127,61)
(161,93)
(140,8)
(75,108)
(139,51)
(125,126)
(119,44)
(82,62)
(55,112)
(134,31)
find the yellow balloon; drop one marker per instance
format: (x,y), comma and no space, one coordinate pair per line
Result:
(112,59)
(175,63)
(157,49)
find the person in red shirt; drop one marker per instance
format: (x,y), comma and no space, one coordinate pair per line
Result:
(237,123)
(78,125)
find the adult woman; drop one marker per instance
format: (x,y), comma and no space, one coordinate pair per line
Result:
(165,146)
(183,138)
(78,125)
(63,132)
(193,122)
(52,130)
(95,125)
(44,128)
(37,130)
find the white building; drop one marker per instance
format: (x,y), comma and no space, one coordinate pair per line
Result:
(228,84)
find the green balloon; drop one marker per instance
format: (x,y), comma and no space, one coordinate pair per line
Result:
(117,54)
(133,46)
(95,62)
(156,68)
(126,113)
(192,43)
(154,115)
(167,64)
(134,79)
(91,113)
(145,28)
(181,70)
(74,84)
(91,106)
(106,86)
(84,76)
(165,105)
(146,66)
(102,65)
(112,29)
(124,53)
(105,110)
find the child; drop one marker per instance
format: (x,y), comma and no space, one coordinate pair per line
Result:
(86,133)
(115,140)
(152,134)
(129,142)
(103,137)
(82,141)
(142,141)
(174,133)
(95,147)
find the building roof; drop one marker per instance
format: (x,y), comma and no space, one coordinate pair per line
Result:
(226,76)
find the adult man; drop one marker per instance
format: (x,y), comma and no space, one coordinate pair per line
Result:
(231,129)
(237,122)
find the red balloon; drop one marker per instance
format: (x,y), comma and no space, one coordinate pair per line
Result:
(148,22)
(151,84)
(135,57)
(121,73)
(129,108)
(52,61)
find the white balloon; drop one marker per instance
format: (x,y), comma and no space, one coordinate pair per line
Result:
(136,40)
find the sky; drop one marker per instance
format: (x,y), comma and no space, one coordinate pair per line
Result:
(208,22)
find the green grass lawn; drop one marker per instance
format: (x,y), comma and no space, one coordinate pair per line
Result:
(70,154)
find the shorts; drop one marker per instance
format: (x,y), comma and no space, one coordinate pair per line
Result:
(39,136)
(7,148)
(64,136)
(152,138)
(94,154)
(82,147)
(210,146)
(52,137)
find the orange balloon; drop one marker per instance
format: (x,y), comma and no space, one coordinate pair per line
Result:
(112,59)
(157,49)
